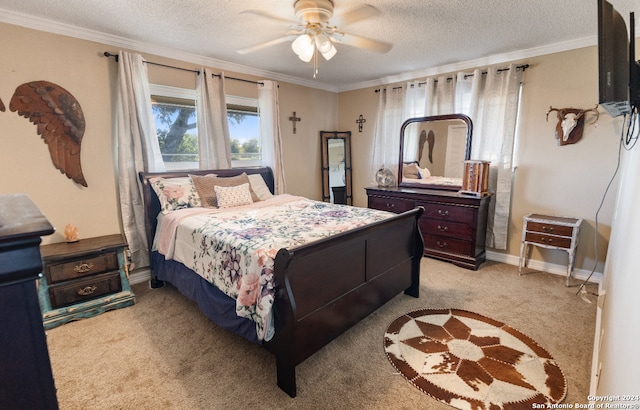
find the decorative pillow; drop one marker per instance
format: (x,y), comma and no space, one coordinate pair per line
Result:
(424,173)
(229,197)
(205,186)
(259,187)
(411,171)
(175,193)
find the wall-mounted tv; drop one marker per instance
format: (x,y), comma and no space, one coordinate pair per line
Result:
(619,82)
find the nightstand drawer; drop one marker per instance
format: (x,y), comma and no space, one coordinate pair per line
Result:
(82,267)
(390,204)
(550,240)
(448,212)
(551,229)
(84,289)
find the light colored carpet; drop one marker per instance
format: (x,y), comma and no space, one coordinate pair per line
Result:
(162,353)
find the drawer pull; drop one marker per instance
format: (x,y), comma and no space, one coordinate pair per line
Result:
(88,290)
(391,205)
(547,228)
(443,213)
(443,228)
(441,244)
(83,267)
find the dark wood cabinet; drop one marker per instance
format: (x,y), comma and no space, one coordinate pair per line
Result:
(26,379)
(83,279)
(453,225)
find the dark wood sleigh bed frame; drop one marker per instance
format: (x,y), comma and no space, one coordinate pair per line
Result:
(325,287)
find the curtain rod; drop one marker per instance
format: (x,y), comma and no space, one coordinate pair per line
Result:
(197,72)
(520,67)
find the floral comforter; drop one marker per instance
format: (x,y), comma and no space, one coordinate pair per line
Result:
(234,249)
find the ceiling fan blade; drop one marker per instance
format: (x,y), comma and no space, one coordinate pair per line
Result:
(359,13)
(363,42)
(270,43)
(269,16)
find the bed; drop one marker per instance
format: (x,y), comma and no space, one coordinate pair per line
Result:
(320,288)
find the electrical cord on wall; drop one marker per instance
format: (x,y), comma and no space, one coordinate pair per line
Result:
(633,130)
(627,140)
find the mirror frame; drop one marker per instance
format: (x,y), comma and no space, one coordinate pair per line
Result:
(325,136)
(432,118)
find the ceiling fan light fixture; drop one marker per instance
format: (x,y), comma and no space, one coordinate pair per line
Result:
(323,44)
(304,47)
(330,53)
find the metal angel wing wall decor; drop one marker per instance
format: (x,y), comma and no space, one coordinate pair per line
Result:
(60,121)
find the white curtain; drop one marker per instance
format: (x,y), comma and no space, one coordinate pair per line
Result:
(415,104)
(494,101)
(137,150)
(270,137)
(386,151)
(214,145)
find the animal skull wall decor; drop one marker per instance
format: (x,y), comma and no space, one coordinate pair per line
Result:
(571,123)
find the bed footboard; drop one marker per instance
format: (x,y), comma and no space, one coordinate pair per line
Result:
(326,287)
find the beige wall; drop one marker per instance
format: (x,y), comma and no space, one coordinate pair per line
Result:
(568,180)
(79,67)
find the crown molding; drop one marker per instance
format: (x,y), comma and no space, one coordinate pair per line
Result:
(41,24)
(480,62)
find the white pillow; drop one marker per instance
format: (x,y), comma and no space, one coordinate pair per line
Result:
(259,187)
(175,193)
(424,173)
(229,197)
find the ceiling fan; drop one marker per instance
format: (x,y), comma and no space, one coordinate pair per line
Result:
(312,34)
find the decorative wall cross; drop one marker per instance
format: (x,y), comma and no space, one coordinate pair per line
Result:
(294,119)
(360,121)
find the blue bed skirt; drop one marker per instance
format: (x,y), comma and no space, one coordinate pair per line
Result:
(215,304)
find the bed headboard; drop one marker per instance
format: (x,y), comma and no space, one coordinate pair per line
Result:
(152,203)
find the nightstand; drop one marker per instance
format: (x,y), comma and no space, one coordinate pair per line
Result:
(83,279)
(553,232)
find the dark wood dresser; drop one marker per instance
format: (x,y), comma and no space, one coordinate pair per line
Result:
(453,225)
(83,279)
(26,379)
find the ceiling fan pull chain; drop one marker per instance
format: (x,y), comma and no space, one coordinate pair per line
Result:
(315,63)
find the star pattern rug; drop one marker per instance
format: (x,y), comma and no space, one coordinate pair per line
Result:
(470,361)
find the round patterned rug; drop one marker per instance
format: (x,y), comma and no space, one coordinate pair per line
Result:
(470,361)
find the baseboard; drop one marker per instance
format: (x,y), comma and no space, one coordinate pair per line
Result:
(580,274)
(139,276)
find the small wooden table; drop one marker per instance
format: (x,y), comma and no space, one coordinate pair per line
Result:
(553,232)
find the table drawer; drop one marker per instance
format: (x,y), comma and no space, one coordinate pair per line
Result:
(551,240)
(58,272)
(445,228)
(444,212)
(391,204)
(449,245)
(84,289)
(551,229)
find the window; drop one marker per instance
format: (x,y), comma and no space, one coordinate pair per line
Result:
(176,125)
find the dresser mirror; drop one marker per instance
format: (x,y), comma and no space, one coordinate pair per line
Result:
(433,150)
(335,147)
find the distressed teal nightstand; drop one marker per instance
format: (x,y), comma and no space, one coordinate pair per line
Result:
(83,279)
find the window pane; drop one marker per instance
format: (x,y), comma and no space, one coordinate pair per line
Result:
(243,132)
(175,121)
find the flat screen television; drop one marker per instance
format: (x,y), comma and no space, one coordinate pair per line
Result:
(619,83)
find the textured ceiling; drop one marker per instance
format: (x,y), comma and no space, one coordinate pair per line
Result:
(426,35)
